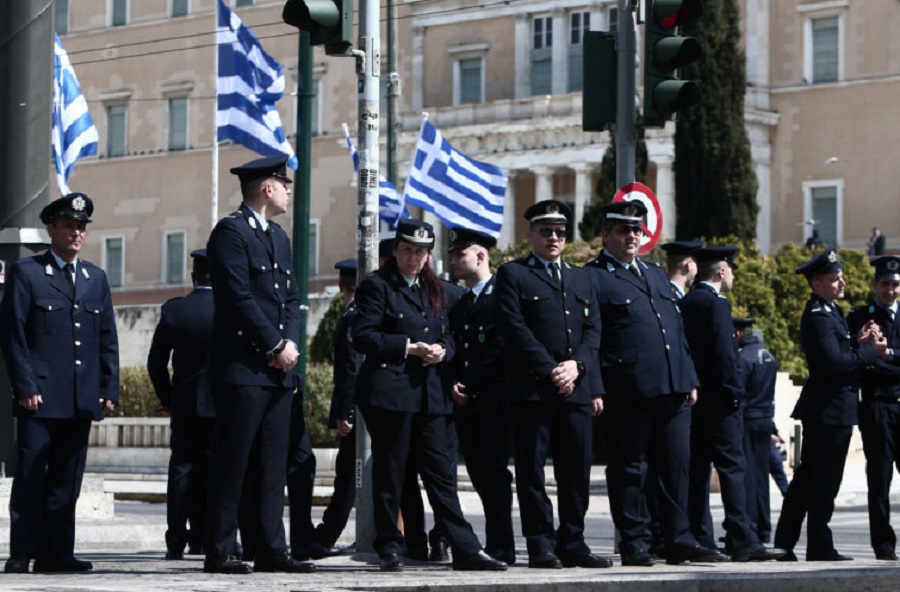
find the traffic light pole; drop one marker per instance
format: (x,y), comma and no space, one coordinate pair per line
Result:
(368,67)
(625,89)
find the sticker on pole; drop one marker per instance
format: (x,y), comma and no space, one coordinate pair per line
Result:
(652,226)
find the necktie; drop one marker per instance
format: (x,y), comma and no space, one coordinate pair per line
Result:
(70,276)
(634,271)
(554,271)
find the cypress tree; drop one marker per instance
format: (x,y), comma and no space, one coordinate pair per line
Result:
(715,184)
(592,220)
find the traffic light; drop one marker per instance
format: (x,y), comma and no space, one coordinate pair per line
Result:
(328,22)
(598,104)
(664,52)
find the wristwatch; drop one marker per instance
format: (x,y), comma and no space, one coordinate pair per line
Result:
(278,348)
(580,365)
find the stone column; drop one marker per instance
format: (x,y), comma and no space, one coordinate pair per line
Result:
(418,69)
(583,192)
(665,194)
(560,52)
(543,183)
(508,230)
(522,48)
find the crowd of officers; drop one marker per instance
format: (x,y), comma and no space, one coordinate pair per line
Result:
(513,365)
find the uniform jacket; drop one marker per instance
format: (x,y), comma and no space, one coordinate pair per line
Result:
(830,395)
(388,314)
(710,334)
(183,333)
(544,325)
(643,350)
(883,379)
(60,345)
(480,361)
(758,371)
(257,303)
(346,366)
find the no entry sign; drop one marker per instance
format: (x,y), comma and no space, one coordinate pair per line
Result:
(654,223)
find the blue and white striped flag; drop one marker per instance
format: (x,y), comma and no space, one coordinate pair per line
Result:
(248,84)
(390,209)
(458,190)
(73,134)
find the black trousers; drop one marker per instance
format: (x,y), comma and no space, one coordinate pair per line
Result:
(51,455)
(397,436)
(336,515)
(300,477)
(879,423)
(651,431)
(486,443)
(566,428)
(816,483)
(717,438)
(187,490)
(757,452)
(252,432)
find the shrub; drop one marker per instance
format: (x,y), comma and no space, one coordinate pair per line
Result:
(320,347)
(319,385)
(136,395)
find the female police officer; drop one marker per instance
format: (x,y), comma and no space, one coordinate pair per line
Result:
(400,326)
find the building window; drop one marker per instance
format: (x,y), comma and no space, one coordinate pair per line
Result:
(579,23)
(542,56)
(178,124)
(180,7)
(116,119)
(314,246)
(174,257)
(118,13)
(61,17)
(113,257)
(823,203)
(468,81)
(825,49)
(612,20)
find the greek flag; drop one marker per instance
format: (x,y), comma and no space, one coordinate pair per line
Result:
(73,134)
(458,190)
(248,84)
(390,209)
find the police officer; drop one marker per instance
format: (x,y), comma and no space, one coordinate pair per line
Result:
(482,407)
(342,414)
(650,384)
(552,330)
(401,327)
(758,372)
(257,310)
(58,336)
(717,425)
(681,265)
(879,411)
(827,407)
(183,334)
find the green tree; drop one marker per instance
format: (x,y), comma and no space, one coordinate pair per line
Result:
(592,219)
(715,184)
(320,350)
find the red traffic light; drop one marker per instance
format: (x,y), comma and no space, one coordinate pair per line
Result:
(674,13)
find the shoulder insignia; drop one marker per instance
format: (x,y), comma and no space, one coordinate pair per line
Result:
(48,270)
(252,222)
(85,273)
(566,263)
(489,289)
(610,267)
(531,262)
(816,309)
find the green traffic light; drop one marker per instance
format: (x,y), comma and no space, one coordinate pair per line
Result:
(673,52)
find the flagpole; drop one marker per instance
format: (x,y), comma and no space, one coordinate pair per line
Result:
(215,130)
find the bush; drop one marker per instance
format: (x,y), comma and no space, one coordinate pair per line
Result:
(320,347)
(319,385)
(136,395)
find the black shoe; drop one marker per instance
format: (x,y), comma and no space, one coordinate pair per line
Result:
(587,561)
(480,561)
(16,564)
(832,556)
(694,554)
(226,564)
(282,562)
(391,562)
(886,556)
(757,552)
(638,559)
(439,551)
(544,561)
(507,557)
(312,551)
(789,556)
(61,564)
(194,550)
(417,553)
(174,555)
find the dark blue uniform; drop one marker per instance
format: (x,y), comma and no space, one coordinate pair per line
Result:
(828,409)
(404,405)
(545,323)
(343,407)
(648,374)
(879,424)
(484,425)
(256,306)
(717,424)
(64,347)
(183,333)
(758,371)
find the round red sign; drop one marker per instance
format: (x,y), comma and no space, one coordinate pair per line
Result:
(654,223)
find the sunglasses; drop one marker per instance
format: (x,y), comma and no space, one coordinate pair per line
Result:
(548,232)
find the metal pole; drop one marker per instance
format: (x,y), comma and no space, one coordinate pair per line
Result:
(368,67)
(625,86)
(393,94)
(303,142)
